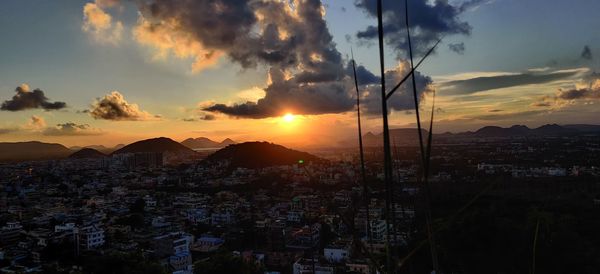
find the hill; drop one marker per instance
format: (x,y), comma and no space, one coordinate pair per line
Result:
(398,136)
(34,150)
(161,144)
(409,136)
(203,142)
(259,155)
(87,153)
(520,130)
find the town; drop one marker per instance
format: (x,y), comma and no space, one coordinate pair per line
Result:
(137,213)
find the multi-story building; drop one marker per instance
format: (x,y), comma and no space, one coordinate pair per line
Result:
(91,237)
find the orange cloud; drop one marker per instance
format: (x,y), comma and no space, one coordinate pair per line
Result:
(167,37)
(99,23)
(113,106)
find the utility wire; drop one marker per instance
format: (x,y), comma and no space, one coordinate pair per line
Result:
(386,137)
(424,157)
(362,155)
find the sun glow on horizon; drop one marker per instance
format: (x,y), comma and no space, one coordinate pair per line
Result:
(288,117)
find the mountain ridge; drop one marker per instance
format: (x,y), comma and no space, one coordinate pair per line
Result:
(160,144)
(203,142)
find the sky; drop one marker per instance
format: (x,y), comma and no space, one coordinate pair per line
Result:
(115,71)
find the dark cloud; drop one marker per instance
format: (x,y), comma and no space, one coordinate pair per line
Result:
(114,107)
(429,21)
(364,76)
(208,117)
(291,96)
(205,117)
(503,81)
(567,96)
(307,73)
(587,53)
(251,32)
(27,99)
(574,94)
(7,130)
(403,97)
(71,129)
(458,48)
(495,110)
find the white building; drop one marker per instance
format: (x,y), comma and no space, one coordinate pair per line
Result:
(68,227)
(223,218)
(306,266)
(295,216)
(198,216)
(378,230)
(336,254)
(91,237)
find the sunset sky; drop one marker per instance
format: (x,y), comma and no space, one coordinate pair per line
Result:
(115,71)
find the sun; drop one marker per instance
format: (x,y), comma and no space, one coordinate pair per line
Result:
(288,117)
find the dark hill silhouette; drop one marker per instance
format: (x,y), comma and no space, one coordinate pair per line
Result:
(34,150)
(86,153)
(519,130)
(200,142)
(259,155)
(161,144)
(203,142)
(500,131)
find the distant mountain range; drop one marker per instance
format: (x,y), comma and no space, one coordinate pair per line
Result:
(203,142)
(260,155)
(520,130)
(409,136)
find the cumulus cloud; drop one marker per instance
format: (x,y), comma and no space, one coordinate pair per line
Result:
(307,74)
(586,54)
(403,97)
(429,20)
(457,47)
(98,23)
(113,106)
(28,99)
(71,129)
(485,83)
